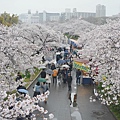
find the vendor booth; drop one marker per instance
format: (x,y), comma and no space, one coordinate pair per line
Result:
(81,64)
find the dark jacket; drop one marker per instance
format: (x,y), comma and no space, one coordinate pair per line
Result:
(64,73)
(53,67)
(69,80)
(43,74)
(18,77)
(21,87)
(78,73)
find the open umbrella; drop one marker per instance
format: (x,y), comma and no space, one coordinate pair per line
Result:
(23,91)
(57,53)
(67,60)
(41,80)
(66,66)
(42,66)
(61,61)
(49,71)
(49,59)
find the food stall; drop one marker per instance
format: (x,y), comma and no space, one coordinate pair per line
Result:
(82,65)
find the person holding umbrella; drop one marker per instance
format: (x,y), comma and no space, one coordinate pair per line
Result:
(53,66)
(45,88)
(64,74)
(22,90)
(36,89)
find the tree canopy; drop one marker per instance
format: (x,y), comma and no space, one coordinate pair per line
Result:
(7,19)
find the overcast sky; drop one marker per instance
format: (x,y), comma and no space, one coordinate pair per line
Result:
(22,6)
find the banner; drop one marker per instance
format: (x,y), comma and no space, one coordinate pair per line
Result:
(80,66)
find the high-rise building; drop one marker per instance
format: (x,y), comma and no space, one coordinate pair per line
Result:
(74,14)
(67,14)
(74,10)
(29,17)
(100,11)
(48,17)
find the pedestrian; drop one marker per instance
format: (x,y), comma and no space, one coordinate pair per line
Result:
(54,75)
(64,74)
(53,66)
(21,87)
(75,100)
(43,59)
(49,65)
(36,89)
(71,66)
(69,81)
(71,48)
(45,88)
(78,76)
(19,76)
(69,97)
(57,58)
(59,76)
(48,79)
(43,74)
(71,57)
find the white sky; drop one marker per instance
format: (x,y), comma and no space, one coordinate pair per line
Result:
(22,6)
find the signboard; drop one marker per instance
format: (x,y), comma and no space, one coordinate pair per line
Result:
(80,66)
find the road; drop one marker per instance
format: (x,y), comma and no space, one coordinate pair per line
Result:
(59,104)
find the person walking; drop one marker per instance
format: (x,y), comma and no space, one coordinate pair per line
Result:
(36,89)
(78,76)
(45,88)
(43,74)
(53,66)
(19,76)
(54,75)
(59,76)
(69,81)
(48,78)
(71,48)
(64,74)
(43,59)
(71,66)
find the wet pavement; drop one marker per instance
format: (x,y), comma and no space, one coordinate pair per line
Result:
(82,109)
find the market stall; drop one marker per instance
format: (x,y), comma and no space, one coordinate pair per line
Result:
(81,64)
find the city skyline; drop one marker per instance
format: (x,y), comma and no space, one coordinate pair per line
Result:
(18,7)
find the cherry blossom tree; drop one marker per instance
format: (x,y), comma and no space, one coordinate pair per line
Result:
(22,47)
(74,27)
(23,107)
(103,46)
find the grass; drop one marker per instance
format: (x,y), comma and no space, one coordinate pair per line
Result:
(29,80)
(115,109)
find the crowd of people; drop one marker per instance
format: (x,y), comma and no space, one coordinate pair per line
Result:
(59,74)
(61,71)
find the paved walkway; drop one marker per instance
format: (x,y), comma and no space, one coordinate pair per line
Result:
(59,104)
